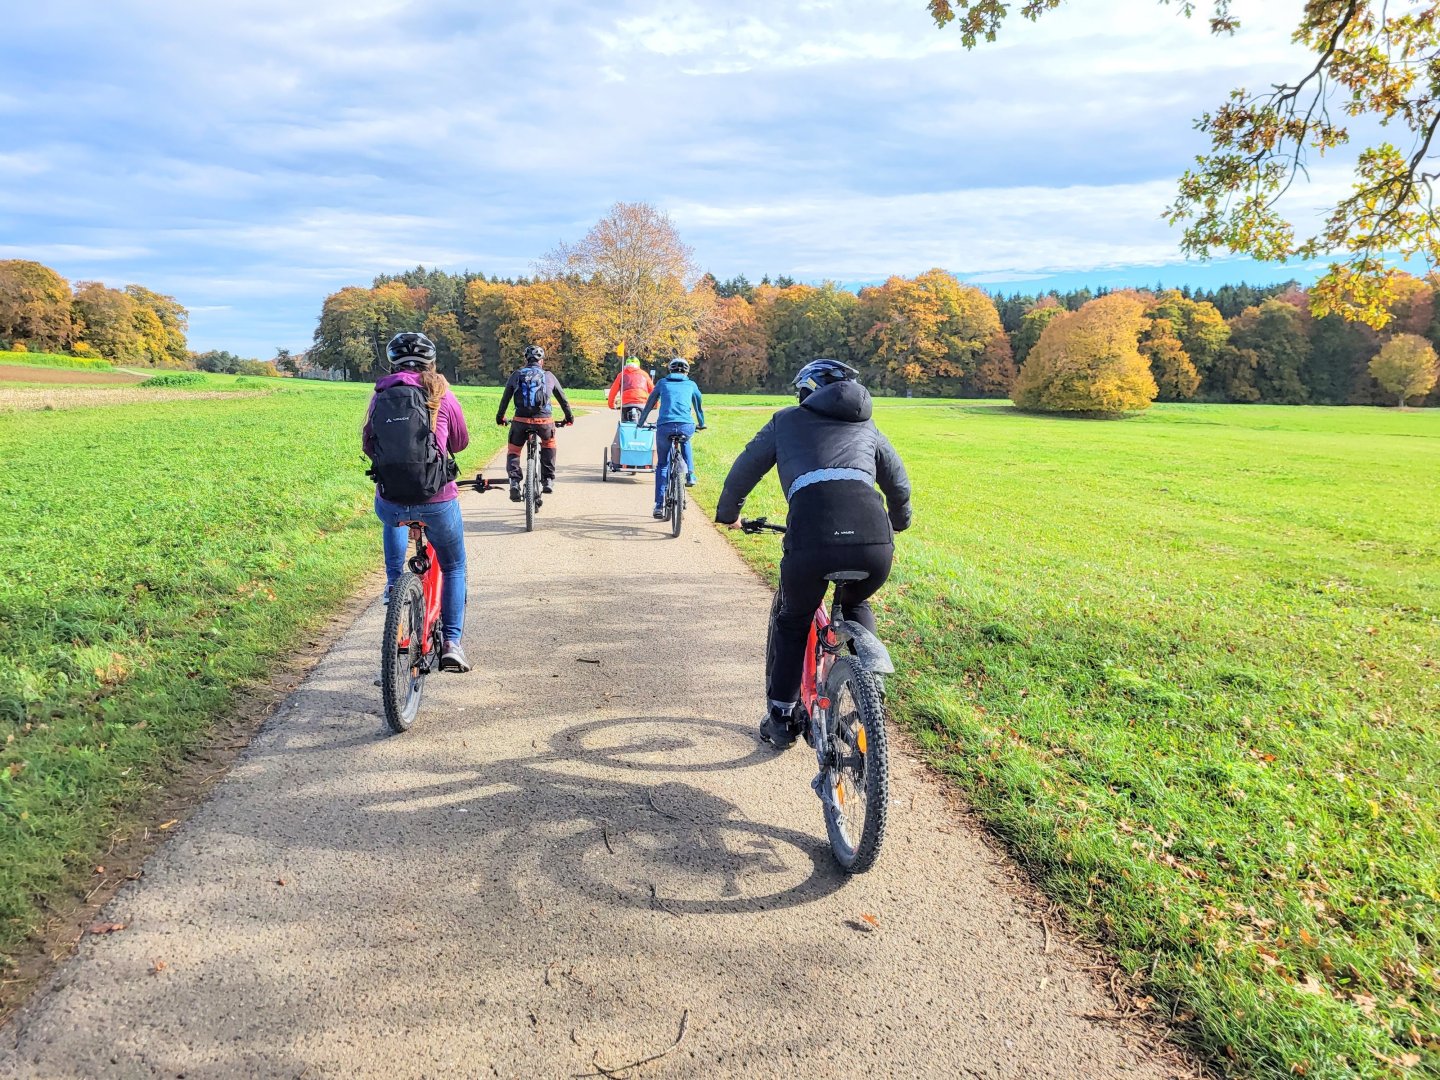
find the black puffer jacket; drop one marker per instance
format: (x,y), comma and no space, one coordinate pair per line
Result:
(831,430)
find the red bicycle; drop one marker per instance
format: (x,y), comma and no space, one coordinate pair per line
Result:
(410,647)
(843,695)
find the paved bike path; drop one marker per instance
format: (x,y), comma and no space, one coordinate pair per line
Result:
(578,851)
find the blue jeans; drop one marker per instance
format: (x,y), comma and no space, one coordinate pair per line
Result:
(446,530)
(662,450)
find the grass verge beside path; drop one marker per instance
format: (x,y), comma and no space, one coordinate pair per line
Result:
(162,557)
(1188,667)
(55,360)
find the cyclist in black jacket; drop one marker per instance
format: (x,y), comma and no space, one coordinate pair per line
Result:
(830,455)
(531,387)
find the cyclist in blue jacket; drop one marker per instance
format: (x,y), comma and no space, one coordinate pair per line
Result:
(678,398)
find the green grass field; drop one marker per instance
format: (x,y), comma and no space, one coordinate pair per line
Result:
(163,556)
(55,360)
(1188,666)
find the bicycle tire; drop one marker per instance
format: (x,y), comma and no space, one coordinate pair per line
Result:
(676,486)
(855,791)
(605,466)
(531,484)
(401,684)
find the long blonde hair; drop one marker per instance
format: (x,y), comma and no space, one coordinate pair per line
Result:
(436,386)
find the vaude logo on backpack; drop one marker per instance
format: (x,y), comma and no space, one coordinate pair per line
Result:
(532,392)
(408,465)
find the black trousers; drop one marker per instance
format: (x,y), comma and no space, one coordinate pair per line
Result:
(518,434)
(802,587)
(630,413)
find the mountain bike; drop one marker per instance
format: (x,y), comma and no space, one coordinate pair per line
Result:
(530,481)
(674,504)
(843,695)
(413,637)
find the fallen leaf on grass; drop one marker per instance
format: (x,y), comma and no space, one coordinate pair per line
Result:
(168,824)
(106,927)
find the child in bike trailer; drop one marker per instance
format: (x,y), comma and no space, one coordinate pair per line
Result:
(413,429)
(532,387)
(830,455)
(678,398)
(632,386)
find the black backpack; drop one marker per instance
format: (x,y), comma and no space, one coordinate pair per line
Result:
(408,466)
(532,389)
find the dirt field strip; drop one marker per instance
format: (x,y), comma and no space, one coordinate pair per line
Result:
(34,373)
(567,867)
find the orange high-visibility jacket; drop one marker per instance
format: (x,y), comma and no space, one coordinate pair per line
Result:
(632,384)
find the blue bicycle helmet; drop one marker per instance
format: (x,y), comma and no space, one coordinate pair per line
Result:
(822,372)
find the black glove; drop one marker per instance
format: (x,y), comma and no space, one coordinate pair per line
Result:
(500,420)
(900,517)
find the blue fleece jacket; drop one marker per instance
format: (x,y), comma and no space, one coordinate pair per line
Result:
(676,395)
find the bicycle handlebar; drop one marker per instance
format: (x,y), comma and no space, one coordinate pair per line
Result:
(756,525)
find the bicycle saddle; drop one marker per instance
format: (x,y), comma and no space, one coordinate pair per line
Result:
(843,576)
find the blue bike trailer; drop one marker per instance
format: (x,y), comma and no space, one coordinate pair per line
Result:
(636,450)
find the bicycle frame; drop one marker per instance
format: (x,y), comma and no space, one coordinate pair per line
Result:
(426,566)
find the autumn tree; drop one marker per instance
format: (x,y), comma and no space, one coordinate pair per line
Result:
(356,323)
(1371,63)
(1198,324)
(1275,333)
(631,279)
(162,322)
(1032,325)
(925,332)
(1088,361)
(804,323)
(105,320)
(1174,374)
(734,350)
(34,306)
(993,373)
(1405,366)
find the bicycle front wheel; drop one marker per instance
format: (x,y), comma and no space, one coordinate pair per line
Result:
(402,654)
(855,777)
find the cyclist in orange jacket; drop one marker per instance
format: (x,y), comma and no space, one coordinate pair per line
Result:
(632,386)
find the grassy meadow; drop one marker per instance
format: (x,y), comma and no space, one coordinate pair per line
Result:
(1187,665)
(164,556)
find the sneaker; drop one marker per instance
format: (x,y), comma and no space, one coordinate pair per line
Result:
(779,728)
(690,480)
(547,487)
(659,513)
(515,495)
(452,658)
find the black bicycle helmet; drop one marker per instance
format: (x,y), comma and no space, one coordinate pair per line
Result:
(534,354)
(679,366)
(818,373)
(409,349)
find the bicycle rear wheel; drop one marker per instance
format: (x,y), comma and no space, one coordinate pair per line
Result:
(675,487)
(532,484)
(402,654)
(855,780)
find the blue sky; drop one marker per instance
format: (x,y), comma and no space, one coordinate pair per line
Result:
(253,156)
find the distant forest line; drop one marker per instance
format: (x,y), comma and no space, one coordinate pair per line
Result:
(927,335)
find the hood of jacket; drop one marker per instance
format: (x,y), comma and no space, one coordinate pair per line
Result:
(848,401)
(395,378)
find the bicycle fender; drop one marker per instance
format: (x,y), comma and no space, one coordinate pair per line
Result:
(870,650)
